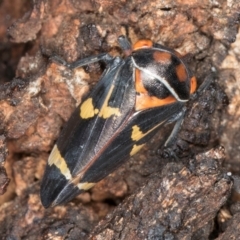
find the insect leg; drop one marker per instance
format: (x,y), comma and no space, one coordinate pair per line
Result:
(167,151)
(205,84)
(179,119)
(125,45)
(105,57)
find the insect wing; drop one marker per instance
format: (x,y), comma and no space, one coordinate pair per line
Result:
(89,129)
(138,130)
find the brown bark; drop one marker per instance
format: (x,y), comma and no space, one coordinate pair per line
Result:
(154,195)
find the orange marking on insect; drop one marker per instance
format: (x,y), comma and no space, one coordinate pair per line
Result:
(181,73)
(193,84)
(143,100)
(138,83)
(162,57)
(142,44)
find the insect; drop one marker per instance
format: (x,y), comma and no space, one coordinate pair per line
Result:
(135,96)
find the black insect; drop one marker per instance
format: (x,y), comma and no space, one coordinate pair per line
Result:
(134,97)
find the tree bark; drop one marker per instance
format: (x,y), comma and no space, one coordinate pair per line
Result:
(183,193)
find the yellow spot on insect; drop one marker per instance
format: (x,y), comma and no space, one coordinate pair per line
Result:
(85,186)
(137,134)
(87,109)
(107,111)
(56,159)
(135,149)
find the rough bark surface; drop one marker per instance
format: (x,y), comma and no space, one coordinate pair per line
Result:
(176,209)
(179,193)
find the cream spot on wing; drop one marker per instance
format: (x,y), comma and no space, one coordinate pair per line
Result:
(87,109)
(56,159)
(107,111)
(136,133)
(135,149)
(85,186)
